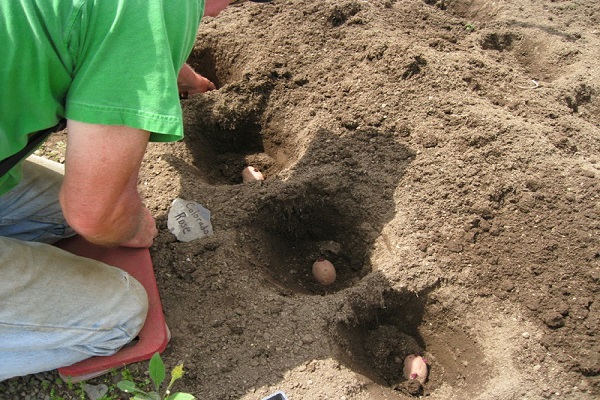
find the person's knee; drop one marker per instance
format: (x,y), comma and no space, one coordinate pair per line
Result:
(138,306)
(128,320)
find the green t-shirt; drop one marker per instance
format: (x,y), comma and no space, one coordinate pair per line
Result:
(112,62)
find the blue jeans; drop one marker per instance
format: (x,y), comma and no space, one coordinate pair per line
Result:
(56,308)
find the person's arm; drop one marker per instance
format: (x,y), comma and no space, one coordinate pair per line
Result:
(99,195)
(190,82)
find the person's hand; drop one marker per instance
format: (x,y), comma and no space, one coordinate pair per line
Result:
(146,234)
(190,82)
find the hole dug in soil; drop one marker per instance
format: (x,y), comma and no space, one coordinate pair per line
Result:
(333,205)
(224,135)
(377,338)
(291,233)
(224,128)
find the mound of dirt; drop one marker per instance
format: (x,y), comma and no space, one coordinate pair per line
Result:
(443,154)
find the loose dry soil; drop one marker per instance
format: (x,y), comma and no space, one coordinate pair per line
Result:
(444,155)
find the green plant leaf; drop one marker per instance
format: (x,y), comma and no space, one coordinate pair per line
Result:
(180,396)
(127,386)
(146,396)
(157,371)
(176,373)
(141,396)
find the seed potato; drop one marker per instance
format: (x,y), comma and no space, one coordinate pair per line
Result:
(324,272)
(250,174)
(415,367)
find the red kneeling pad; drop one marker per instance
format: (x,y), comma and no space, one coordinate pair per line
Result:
(152,338)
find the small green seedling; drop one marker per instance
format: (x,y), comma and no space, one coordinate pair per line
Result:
(470,27)
(157,375)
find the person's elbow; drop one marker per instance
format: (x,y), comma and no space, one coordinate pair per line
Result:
(98,223)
